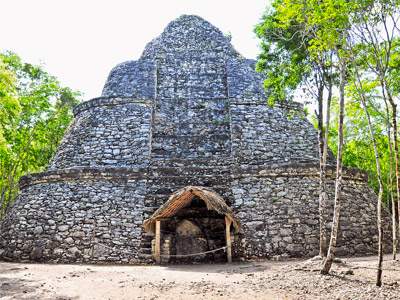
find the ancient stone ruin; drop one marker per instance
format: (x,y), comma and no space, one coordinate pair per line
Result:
(187,121)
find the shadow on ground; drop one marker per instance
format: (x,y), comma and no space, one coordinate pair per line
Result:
(234,268)
(16,288)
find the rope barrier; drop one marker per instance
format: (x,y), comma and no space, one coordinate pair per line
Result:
(177,255)
(174,232)
(195,254)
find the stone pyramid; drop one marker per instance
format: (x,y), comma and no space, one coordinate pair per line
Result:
(191,111)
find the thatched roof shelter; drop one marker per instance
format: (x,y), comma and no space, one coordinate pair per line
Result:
(183,198)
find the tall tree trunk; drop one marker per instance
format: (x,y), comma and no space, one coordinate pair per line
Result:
(323,207)
(327,123)
(336,212)
(390,184)
(323,236)
(393,202)
(396,146)
(394,221)
(396,159)
(380,194)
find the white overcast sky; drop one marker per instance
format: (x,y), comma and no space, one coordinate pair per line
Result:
(79,41)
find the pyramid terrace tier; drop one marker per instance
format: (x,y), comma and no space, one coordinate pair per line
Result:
(125,132)
(97,215)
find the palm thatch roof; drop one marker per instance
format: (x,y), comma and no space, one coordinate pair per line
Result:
(183,197)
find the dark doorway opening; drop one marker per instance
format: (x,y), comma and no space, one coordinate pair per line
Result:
(193,226)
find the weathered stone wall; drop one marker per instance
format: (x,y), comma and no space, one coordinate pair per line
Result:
(135,79)
(189,33)
(81,216)
(192,74)
(265,135)
(191,129)
(278,210)
(107,132)
(190,111)
(95,215)
(243,82)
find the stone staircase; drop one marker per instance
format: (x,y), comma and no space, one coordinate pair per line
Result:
(145,247)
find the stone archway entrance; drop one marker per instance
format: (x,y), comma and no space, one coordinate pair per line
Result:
(192,226)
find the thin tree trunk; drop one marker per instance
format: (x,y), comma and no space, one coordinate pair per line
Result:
(323,195)
(2,200)
(390,184)
(393,202)
(323,236)
(379,212)
(336,212)
(380,193)
(396,147)
(396,156)
(394,226)
(390,199)
(327,124)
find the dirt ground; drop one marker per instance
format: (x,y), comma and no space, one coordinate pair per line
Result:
(351,279)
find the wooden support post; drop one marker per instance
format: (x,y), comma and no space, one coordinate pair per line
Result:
(228,223)
(157,248)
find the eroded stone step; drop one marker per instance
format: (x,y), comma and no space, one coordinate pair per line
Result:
(145,251)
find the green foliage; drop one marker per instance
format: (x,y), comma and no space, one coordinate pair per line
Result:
(283,57)
(305,43)
(35,110)
(297,41)
(358,151)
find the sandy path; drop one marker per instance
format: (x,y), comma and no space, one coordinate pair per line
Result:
(43,281)
(257,280)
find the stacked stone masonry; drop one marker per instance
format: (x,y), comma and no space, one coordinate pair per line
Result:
(190,111)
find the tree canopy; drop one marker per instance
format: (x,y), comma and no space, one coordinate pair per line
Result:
(35,111)
(344,54)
